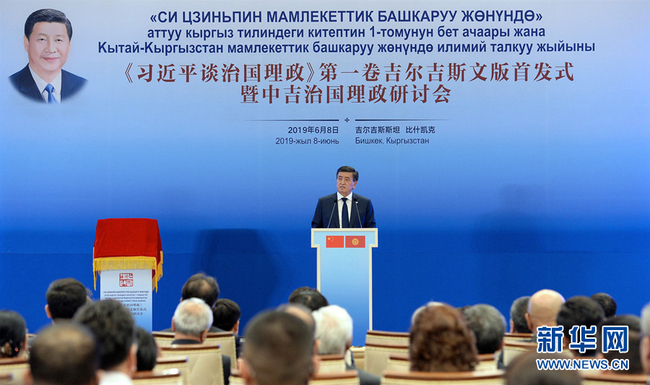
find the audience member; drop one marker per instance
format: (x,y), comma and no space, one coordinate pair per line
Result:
(226,314)
(441,341)
(523,371)
(645,338)
(191,324)
(64,297)
(580,311)
(278,350)
(418,310)
(489,327)
(334,331)
(518,311)
(201,286)
(64,354)
(306,315)
(633,354)
(147,349)
(309,297)
(204,287)
(13,334)
(114,328)
(543,308)
(606,302)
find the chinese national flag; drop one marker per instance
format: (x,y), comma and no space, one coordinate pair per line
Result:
(334,241)
(355,241)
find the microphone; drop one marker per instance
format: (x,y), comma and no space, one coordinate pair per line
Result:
(332,213)
(358,215)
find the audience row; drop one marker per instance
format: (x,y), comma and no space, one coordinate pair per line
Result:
(99,343)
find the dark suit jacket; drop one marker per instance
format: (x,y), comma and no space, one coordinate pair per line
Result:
(365,378)
(225,360)
(214,329)
(25,84)
(327,212)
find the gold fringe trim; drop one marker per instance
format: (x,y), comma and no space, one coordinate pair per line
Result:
(128,263)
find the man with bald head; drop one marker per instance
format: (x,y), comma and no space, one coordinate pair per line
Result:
(543,308)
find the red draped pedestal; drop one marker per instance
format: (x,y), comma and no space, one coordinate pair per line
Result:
(128,244)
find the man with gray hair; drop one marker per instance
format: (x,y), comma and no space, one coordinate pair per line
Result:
(191,324)
(192,320)
(334,331)
(489,327)
(518,311)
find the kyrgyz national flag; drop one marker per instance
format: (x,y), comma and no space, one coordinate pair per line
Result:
(335,241)
(355,241)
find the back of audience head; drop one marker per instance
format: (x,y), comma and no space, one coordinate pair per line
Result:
(543,307)
(581,311)
(606,302)
(64,297)
(333,329)
(488,325)
(192,318)
(518,311)
(226,315)
(147,349)
(114,328)
(523,371)
(441,341)
(201,286)
(302,312)
(278,350)
(311,298)
(418,310)
(645,338)
(633,354)
(64,354)
(13,334)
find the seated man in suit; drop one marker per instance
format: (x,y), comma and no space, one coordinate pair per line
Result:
(63,354)
(114,329)
(191,324)
(47,41)
(278,350)
(352,210)
(334,331)
(206,288)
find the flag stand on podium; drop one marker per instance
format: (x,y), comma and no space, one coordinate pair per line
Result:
(344,272)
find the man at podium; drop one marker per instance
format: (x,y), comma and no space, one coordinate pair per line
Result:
(344,209)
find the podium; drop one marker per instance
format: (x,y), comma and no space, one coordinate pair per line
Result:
(344,273)
(128,256)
